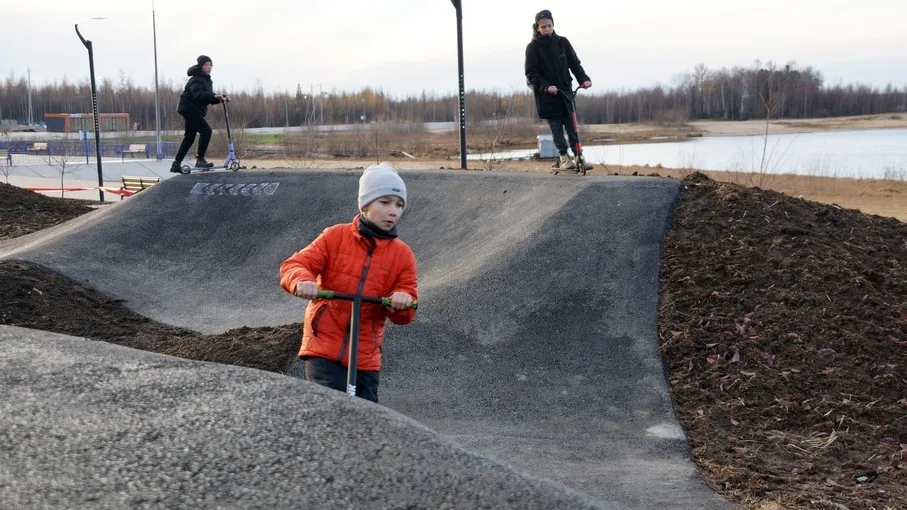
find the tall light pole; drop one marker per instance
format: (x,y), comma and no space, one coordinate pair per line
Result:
(94,107)
(30,121)
(457,5)
(157,102)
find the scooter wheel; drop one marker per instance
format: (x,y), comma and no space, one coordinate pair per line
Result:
(185,169)
(581,165)
(234,166)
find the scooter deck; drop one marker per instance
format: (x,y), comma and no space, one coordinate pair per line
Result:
(573,171)
(198,169)
(231,165)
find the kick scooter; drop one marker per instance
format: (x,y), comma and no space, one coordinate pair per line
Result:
(230,163)
(354,328)
(578,160)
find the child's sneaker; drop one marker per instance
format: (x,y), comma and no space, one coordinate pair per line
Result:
(565,162)
(203,163)
(176,167)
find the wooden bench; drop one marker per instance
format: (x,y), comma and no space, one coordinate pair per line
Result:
(136,184)
(137,148)
(38,147)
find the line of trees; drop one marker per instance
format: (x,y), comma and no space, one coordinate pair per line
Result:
(739,93)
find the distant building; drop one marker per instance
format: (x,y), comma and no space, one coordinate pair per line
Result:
(75,122)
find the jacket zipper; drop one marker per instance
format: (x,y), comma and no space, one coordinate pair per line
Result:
(368,263)
(317,320)
(346,340)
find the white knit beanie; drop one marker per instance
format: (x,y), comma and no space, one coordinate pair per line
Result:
(380,181)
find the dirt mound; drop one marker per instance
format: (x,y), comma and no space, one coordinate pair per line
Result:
(783,321)
(34,297)
(23,212)
(784,325)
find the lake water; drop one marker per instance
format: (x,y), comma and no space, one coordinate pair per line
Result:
(878,153)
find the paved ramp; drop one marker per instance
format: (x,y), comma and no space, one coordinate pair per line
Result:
(86,424)
(536,342)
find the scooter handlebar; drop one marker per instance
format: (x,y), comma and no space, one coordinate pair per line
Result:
(383,301)
(569,92)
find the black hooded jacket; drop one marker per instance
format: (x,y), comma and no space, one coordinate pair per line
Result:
(198,93)
(549,61)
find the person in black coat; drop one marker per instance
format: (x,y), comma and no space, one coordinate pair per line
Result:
(193,106)
(549,60)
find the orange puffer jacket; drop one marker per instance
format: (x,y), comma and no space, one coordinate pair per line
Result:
(343,260)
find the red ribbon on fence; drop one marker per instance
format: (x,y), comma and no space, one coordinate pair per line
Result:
(61,189)
(115,191)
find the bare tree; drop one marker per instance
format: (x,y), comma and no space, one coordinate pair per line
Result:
(491,136)
(6,164)
(300,148)
(702,92)
(768,159)
(58,157)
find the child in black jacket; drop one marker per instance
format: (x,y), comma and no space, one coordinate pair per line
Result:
(549,60)
(193,106)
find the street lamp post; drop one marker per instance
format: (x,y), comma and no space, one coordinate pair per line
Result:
(30,116)
(457,5)
(94,107)
(157,102)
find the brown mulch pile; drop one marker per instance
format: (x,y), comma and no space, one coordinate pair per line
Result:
(784,326)
(34,297)
(23,212)
(783,322)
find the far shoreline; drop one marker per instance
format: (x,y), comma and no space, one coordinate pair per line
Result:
(657,133)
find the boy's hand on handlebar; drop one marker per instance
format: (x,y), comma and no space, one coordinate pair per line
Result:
(552,89)
(306,290)
(401,301)
(586,84)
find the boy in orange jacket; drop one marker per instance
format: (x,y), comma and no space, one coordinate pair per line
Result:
(362,257)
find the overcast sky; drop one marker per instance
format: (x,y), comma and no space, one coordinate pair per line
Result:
(405,46)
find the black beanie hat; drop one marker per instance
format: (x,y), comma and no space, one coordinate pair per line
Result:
(202,59)
(546,14)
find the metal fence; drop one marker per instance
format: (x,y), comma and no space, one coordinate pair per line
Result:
(16,152)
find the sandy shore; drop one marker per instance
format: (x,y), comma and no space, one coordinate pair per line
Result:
(755,127)
(651,132)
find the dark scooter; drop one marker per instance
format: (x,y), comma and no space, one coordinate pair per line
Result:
(579,161)
(354,328)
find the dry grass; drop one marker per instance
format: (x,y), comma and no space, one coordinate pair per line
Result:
(603,134)
(499,136)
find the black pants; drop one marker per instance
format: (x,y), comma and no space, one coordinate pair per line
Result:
(333,375)
(558,125)
(195,123)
